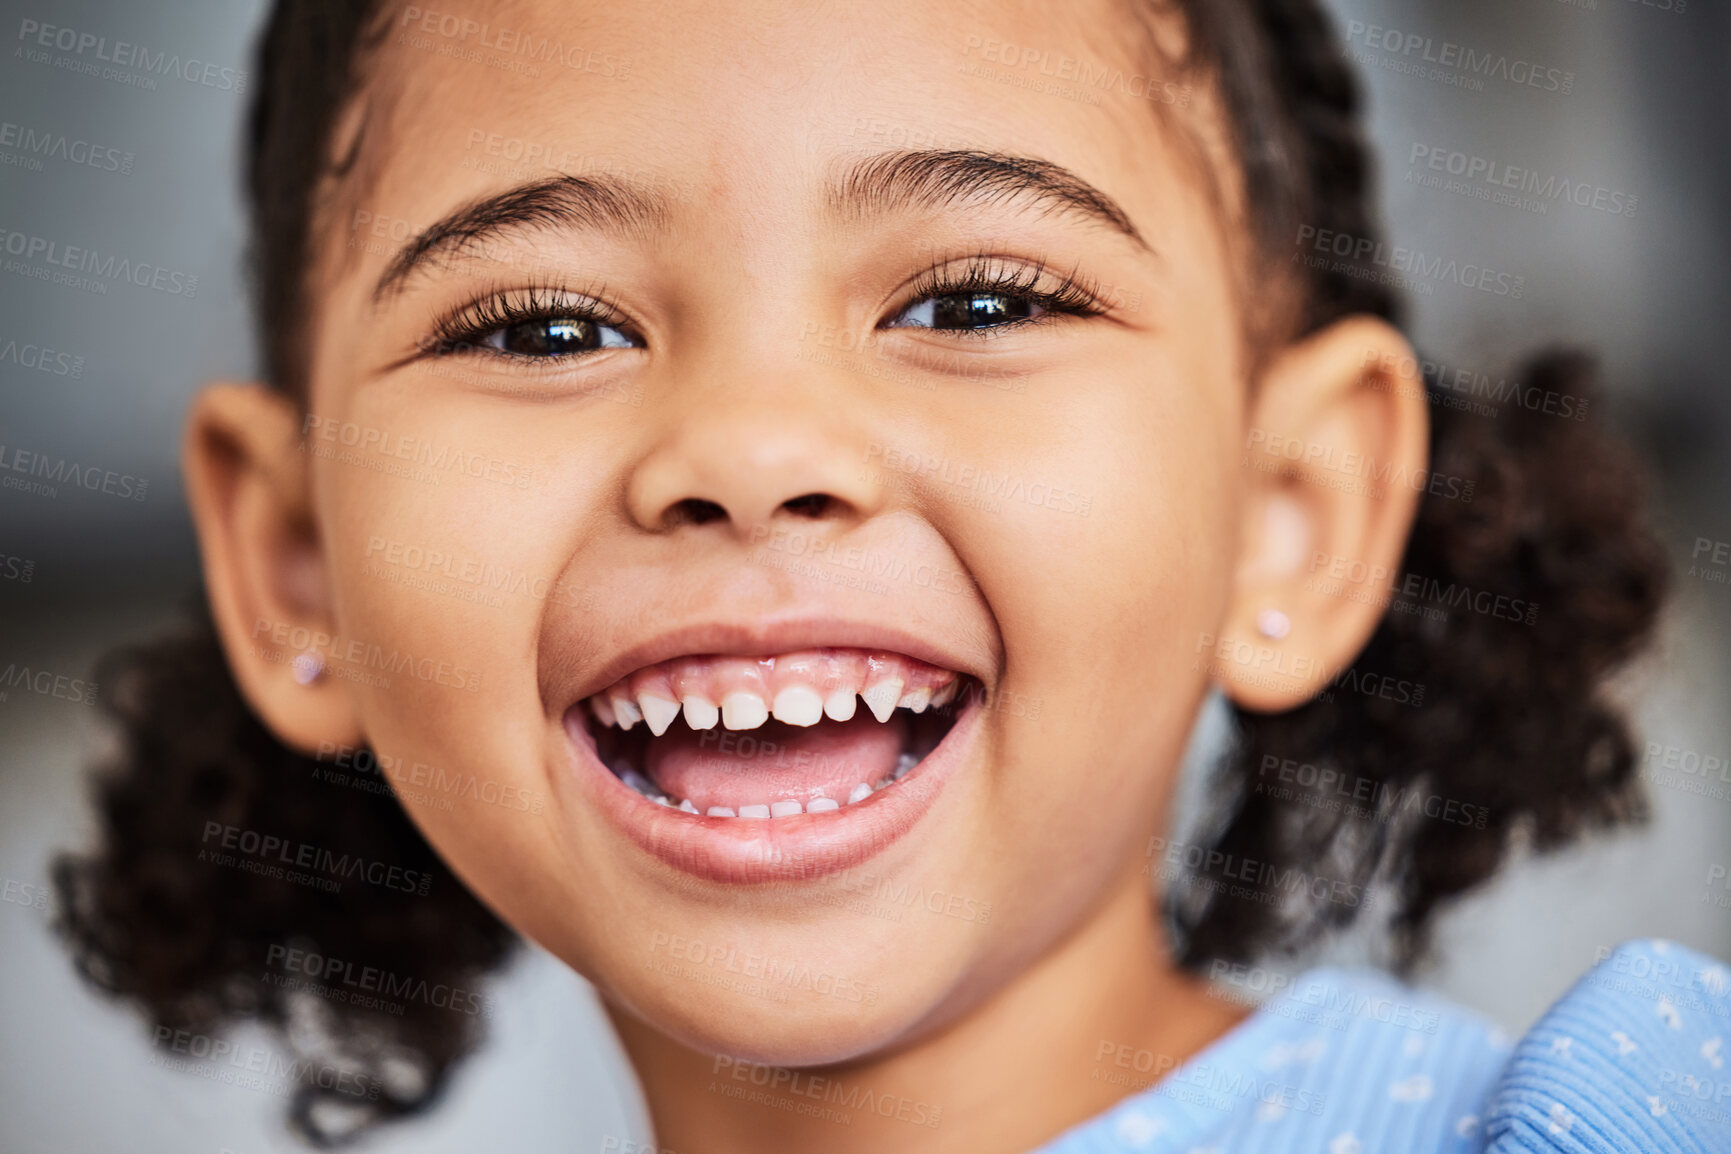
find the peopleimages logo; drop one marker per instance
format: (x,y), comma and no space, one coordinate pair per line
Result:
(29,247)
(1512,184)
(46,683)
(33,145)
(33,36)
(62,472)
(507,43)
(354,982)
(1463,60)
(1357,253)
(41,358)
(267,854)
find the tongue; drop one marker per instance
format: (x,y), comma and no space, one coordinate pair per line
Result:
(775,762)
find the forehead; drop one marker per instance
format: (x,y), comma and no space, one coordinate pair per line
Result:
(748,104)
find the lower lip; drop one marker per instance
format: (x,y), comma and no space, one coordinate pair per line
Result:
(746,851)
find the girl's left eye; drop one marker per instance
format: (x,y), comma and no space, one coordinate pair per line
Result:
(969,311)
(556,337)
(989,294)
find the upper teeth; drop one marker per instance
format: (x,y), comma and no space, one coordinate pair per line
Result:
(841,704)
(700,712)
(625,710)
(796,689)
(798,705)
(743,710)
(658,712)
(882,698)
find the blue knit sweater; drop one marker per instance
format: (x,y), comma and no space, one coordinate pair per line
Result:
(1633,1058)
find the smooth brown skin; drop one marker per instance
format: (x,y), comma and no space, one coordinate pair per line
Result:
(1146,411)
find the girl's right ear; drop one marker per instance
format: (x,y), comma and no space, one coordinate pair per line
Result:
(248,482)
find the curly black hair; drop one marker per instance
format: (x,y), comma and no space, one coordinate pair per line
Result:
(1506,738)
(1496,728)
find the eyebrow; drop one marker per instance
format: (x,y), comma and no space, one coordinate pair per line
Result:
(878,186)
(938,178)
(602,203)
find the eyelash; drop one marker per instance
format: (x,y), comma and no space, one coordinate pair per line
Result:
(467,326)
(985,274)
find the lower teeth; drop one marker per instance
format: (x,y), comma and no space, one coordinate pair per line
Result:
(627,773)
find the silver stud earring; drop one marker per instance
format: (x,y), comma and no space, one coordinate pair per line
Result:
(308,667)
(1273,624)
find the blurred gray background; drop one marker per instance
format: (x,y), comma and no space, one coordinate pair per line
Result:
(1646,115)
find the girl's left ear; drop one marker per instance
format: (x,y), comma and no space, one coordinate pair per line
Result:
(1334,465)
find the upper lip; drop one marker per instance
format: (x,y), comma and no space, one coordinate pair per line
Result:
(766,637)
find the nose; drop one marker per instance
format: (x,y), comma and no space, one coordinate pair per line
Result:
(743,461)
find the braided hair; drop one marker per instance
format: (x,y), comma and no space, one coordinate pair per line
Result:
(1511,730)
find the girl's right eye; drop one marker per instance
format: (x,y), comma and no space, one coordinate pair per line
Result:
(556,337)
(534,324)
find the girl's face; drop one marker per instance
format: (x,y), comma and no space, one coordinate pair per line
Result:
(731,359)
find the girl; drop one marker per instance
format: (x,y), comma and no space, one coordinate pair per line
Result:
(760,512)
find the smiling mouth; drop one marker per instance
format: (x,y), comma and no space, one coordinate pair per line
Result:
(754,738)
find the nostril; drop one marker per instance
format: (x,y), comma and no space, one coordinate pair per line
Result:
(692,511)
(813,505)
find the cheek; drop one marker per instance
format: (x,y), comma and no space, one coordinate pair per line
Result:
(1101,609)
(1111,549)
(445,552)
(422,585)
(445,543)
